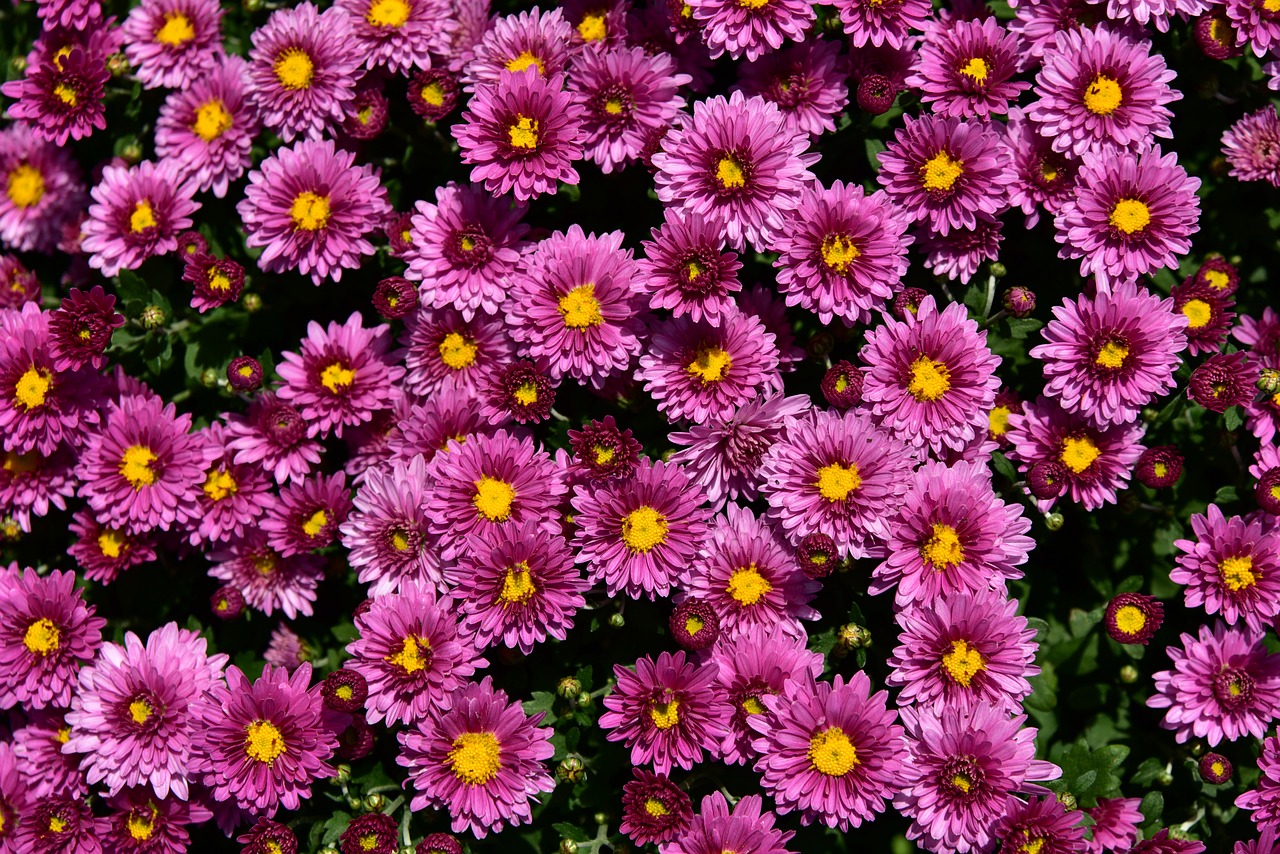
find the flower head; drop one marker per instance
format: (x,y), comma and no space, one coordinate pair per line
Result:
(1232,567)
(173,43)
(137,212)
(47,633)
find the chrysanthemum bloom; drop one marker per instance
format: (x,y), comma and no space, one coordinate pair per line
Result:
(46,633)
(266,580)
(828,751)
(808,81)
(367,114)
(843,252)
(1215,768)
(836,474)
(1102,91)
(1043,178)
(104,552)
(1042,825)
(438,843)
(399,35)
(1116,822)
(273,434)
(958,255)
(43,769)
(215,281)
(344,690)
(63,824)
(842,385)
(735,163)
(747,828)
(625,94)
(665,711)
(1133,618)
(227,603)
(41,190)
(1131,214)
(962,651)
(132,714)
(371,833)
(685,269)
(144,469)
(62,94)
(1162,843)
(387,531)
(464,248)
(750,29)
(960,769)
(395,297)
(639,534)
(307,515)
(266,836)
(694,625)
(311,206)
(140,822)
(286,648)
(945,172)
(1252,147)
(1264,801)
(574,305)
(445,352)
(521,391)
(817,556)
(512,43)
(1224,685)
(1097,463)
(1215,35)
(698,372)
(264,743)
(482,760)
(31,484)
(1232,567)
(1209,315)
(18,285)
(884,23)
(1257,26)
(967,69)
(1224,380)
(80,329)
(137,212)
(522,134)
(487,482)
(427,428)
(601,450)
(433,93)
(173,43)
(654,809)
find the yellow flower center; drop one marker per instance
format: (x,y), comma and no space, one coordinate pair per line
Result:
(976,69)
(526,394)
(644,529)
(412,655)
(135,466)
(665,715)
(523,133)
(433,94)
(613,106)
(476,757)
(310,211)
(141,826)
(1103,96)
(219,282)
(1078,453)
(399,541)
(604,456)
(524,60)
(710,364)
(655,808)
(337,377)
(387,13)
(1030,846)
(1160,470)
(747,586)
(315,524)
(32,387)
(832,753)
(494,498)
(943,549)
(579,307)
(112,543)
(1198,313)
(344,692)
(294,68)
(212,120)
(265,563)
(838,252)
(66,94)
(836,481)
(26,186)
(963,782)
(263,742)
(517,587)
(1238,572)
(753,4)
(729,173)
(930,380)
(753,706)
(140,710)
(458,352)
(1217,768)
(56,824)
(1112,355)
(998,420)
(963,663)
(177,30)
(219,484)
(1217,279)
(42,637)
(940,173)
(142,218)
(63,735)
(1130,216)
(593,28)
(1130,619)
(693,625)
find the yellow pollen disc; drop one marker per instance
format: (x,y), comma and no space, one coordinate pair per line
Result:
(832,753)
(962,782)
(963,663)
(613,107)
(1031,846)
(686,11)
(747,586)
(1048,172)
(177,30)
(142,218)
(692,625)
(140,710)
(220,484)
(1238,572)
(468,243)
(976,69)
(141,827)
(26,186)
(655,808)
(219,282)
(1103,96)
(458,352)
(1217,279)
(1130,216)
(63,735)
(433,94)
(135,466)
(526,394)
(112,543)
(364,115)
(66,94)
(368,842)
(263,742)
(523,133)
(494,498)
(998,420)
(604,456)
(693,270)
(835,481)
(644,529)
(842,383)
(42,637)
(930,380)
(344,692)
(61,54)
(665,715)
(943,549)
(593,28)
(316,523)
(265,564)
(753,4)
(1130,619)
(710,365)
(940,172)
(1217,768)
(476,757)
(32,387)
(753,706)
(729,173)
(399,541)
(838,252)
(1160,469)
(410,658)
(523,61)
(294,68)
(273,847)
(580,308)
(212,120)
(387,13)
(1112,355)
(57,825)
(1198,313)
(337,377)
(309,212)
(517,587)
(1078,453)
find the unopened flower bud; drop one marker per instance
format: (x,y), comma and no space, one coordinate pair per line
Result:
(1019,301)
(375,802)
(153,317)
(852,636)
(876,94)
(571,769)
(251,302)
(118,64)
(1215,768)
(344,773)
(998,270)
(1054,521)
(568,846)
(1068,801)
(617,621)
(208,378)
(1269,381)
(584,700)
(244,374)
(1128,674)
(568,687)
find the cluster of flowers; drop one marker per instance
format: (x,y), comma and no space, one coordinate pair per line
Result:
(470,534)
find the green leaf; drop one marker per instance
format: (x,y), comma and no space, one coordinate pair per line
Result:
(1091,774)
(1152,806)
(542,702)
(1225,495)
(1021,327)
(131,287)
(874,147)
(1006,468)
(1232,419)
(570,831)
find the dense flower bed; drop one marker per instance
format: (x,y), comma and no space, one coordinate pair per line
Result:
(711,427)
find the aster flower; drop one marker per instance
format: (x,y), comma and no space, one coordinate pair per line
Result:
(960,768)
(1040,824)
(807,81)
(1256,25)
(59,824)
(439,843)
(264,743)
(958,255)
(1264,801)
(747,29)
(1224,685)
(574,305)
(512,43)
(654,809)
(1131,214)
(735,163)
(963,651)
(42,190)
(132,714)
(482,760)
(748,828)
(433,93)
(517,585)
(1252,147)
(1208,312)
(843,252)
(62,94)
(521,391)
(311,206)
(1260,335)
(231,498)
(694,625)
(31,484)
(685,268)
(18,285)
(1232,567)
(373,833)
(80,329)
(137,213)
(266,580)
(399,35)
(427,428)
(601,450)
(140,822)
(47,633)
(387,532)
(885,23)
(265,836)
(307,514)
(817,555)
(1133,618)
(597,24)
(665,711)
(446,352)
(286,648)
(43,769)
(215,281)
(965,70)
(209,126)
(522,135)
(1224,380)
(395,298)
(842,385)
(1042,177)
(104,552)
(1101,91)
(173,43)
(638,534)
(273,433)
(946,172)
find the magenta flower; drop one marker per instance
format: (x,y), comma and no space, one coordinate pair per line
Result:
(141,822)
(654,809)
(104,552)
(61,96)
(137,213)
(966,70)
(1043,178)
(44,770)
(1232,568)
(307,514)
(444,352)
(173,43)
(47,633)
(748,828)
(267,581)
(387,532)
(512,43)
(808,82)
(686,270)
(885,23)
(400,35)
(42,190)
(751,29)
(273,434)
(1252,147)
(1264,801)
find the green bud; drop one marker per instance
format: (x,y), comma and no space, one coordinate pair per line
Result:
(1068,801)
(568,846)
(19,65)
(252,6)
(1054,521)
(1164,778)
(584,700)
(10,530)
(568,687)
(330,851)
(601,818)
(153,317)
(251,302)
(571,769)
(344,773)
(118,64)
(375,802)
(617,621)
(998,270)
(1149,414)
(354,802)
(1269,381)
(130,150)
(208,378)
(852,636)
(1128,674)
